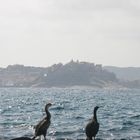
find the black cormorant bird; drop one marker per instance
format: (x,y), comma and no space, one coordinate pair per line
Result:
(93,126)
(43,125)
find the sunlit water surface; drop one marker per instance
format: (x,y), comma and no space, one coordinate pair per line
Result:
(22,108)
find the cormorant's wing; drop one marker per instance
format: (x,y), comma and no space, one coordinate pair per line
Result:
(39,125)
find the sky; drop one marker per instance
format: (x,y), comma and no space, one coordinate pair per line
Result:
(44,32)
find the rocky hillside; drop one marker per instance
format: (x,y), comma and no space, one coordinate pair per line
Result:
(77,73)
(125,73)
(70,74)
(19,75)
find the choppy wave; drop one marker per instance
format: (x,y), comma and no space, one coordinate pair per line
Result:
(119,113)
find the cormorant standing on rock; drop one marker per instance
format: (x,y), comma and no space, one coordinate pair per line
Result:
(43,125)
(93,126)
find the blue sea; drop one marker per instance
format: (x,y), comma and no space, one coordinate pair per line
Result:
(22,108)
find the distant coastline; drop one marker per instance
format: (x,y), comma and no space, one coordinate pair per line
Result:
(72,74)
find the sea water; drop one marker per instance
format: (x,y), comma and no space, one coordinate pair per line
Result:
(22,108)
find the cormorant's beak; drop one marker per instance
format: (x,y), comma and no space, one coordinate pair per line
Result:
(97,107)
(50,104)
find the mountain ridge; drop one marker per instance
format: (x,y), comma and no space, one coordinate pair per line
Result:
(125,73)
(73,73)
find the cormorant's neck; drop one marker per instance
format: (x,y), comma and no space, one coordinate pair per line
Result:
(48,115)
(95,115)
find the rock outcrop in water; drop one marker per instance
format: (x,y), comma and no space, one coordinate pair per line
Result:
(58,75)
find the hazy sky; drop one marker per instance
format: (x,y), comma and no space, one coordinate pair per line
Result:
(44,32)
